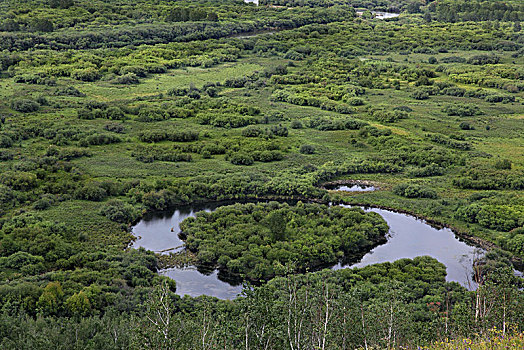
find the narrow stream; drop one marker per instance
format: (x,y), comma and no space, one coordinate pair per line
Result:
(351,188)
(408,237)
(380,14)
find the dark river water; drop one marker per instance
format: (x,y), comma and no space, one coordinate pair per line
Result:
(408,237)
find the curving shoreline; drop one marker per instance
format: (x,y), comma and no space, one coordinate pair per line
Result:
(211,277)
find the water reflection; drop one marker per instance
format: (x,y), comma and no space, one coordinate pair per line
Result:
(409,237)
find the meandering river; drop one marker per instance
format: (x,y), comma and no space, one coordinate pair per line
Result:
(408,237)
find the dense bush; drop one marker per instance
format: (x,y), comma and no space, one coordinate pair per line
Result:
(114,113)
(19,180)
(126,79)
(449,142)
(490,180)
(92,192)
(227,120)
(388,116)
(240,158)
(296,124)
(5,141)
(69,91)
(503,164)
(99,139)
(462,110)
(307,149)
(328,123)
(420,94)
(88,74)
(119,211)
(493,216)
(466,126)
(483,59)
(267,156)
(175,136)
(25,105)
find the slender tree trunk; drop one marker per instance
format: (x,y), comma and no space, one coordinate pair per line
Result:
(363,327)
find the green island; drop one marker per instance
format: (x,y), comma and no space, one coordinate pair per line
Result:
(114,110)
(258,240)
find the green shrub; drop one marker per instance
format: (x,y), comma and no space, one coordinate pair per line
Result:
(25,105)
(126,79)
(240,158)
(99,139)
(252,131)
(114,113)
(69,91)
(88,74)
(503,164)
(19,180)
(414,191)
(296,124)
(119,211)
(430,170)
(466,126)
(307,149)
(461,110)
(92,192)
(420,94)
(5,141)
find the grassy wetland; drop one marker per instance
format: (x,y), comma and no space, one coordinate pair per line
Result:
(113,110)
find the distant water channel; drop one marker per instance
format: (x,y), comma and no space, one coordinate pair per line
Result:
(351,188)
(380,14)
(408,237)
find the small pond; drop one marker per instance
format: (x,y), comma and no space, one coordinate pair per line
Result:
(351,188)
(409,237)
(380,14)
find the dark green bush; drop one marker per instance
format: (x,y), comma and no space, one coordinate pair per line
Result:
(462,110)
(119,211)
(5,141)
(25,105)
(466,126)
(414,191)
(99,139)
(307,149)
(126,79)
(240,158)
(92,192)
(420,94)
(252,131)
(296,124)
(503,164)
(19,180)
